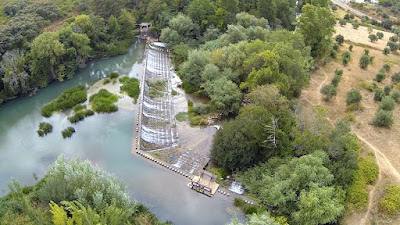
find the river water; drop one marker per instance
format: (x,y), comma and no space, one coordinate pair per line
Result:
(105,140)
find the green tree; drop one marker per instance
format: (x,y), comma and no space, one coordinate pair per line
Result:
(339,39)
(379,34)
(202,12)
(316,25)
(353,97)
(387,104)
(192,69)
(364,61)
(372,37)
(46,54)
(383,118)
(225,95)
(106,8)
(329,91)
(379,94)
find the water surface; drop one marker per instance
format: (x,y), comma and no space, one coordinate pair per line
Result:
(105,140)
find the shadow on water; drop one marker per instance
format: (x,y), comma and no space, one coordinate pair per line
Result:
(105,140)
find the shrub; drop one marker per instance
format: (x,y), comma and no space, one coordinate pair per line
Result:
(44,129)
(390,203)
(346,58)
(379,94)
(67,133)
(386,67)
(386,51)
(374,22)
(387,89)
(396,96)
(114,75)
(372,37)
(338,72)
(79,107)
(353,97)
(335,81)
(342,22)
(335,47)
(394,38)
(67,99)
(383,118)
(387,24)
(351,48)
(369,87)
(201,109)
(364,61)
(106,81)
(131,87)
(387,104)
(103,102)
(380,77)
(182,116)
(369,169)
(379,35)
(339,39)
(79,116)
(357,192)
(329,91)
(333,54)
(356,25)
(393,46)
(396,78)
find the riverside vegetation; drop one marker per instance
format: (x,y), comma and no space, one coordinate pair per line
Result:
(73,192)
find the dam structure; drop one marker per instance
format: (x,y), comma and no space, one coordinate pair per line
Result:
(156,113)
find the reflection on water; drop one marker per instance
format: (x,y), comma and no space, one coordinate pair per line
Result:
(103,139)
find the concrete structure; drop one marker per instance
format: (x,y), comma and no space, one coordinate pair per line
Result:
(144,30)
(205,183)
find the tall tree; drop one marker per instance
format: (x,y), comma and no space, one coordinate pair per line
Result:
(316,25)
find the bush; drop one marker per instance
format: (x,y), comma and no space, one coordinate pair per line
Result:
(372,37)
(201,109)
(396,78)
(103,102)
(335,81)
(364,61)
(79,107)
(335,47)
(356,25)
(79,116)
(396,96)
(67,99)
(386,67)
(369,87)
(380,77)
(390,203)
(329,91)
(374,22)
(44,129)
(67,133)
(387,89)
(338,72)
(114,75)
(379,35)
(353,97)
(379,94)
(333,54)
(357,193)
(394,38)
(342,22)
(387,104)
(130,86)
(383,118)
(339,39)
(386,51)
(247,208)
(106,81)
(182,116)
(351,48)
(346,58)
(369,169)
(393,46)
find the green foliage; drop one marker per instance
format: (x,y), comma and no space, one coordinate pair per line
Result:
(113,75)
(81,115)
(182,116)
(387,103)
(353,97)
(373,37)
(44,129)
(383,118)
(379,94)
(130,86)
(393,46)
(78,108)
(157,88)
(364,61)
(386,67)
(103,102)
(67,133)
(394,38)
(379,34)
(339,39)
(356,25)
(68,99)
(225,95)
(386,51)
(396,96)
(351,48)
(380,76)
(316,25)
(346,57)
(369,169)
(396,78)
(342,22)
(247,208)
(390,203)
(329,91)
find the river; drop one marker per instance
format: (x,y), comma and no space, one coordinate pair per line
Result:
(105,140)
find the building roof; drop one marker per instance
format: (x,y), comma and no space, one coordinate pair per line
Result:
(145,24)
